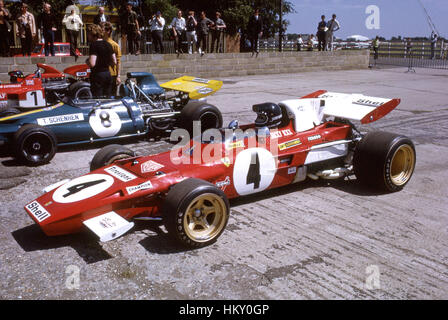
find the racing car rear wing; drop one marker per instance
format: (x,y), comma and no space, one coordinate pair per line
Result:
(358,107)
(196,88)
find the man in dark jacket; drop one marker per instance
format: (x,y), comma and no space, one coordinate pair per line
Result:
(48,24)
(255,30)
(100,17)
(322,34)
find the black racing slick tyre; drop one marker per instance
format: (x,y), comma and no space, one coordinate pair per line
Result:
(107,155)
(34,145)
(80,90)
(195,212)
(209,116)
(384,161)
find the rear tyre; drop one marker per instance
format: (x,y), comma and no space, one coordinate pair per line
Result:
(80,90)
(209,116)
(195,212)
(34,145)
(385,161)
(109,154)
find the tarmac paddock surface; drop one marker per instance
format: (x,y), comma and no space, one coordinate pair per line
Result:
(312,240)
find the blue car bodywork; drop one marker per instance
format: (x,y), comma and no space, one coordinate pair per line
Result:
(144,107)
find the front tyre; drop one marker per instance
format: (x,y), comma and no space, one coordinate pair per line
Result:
(384,161)
(34,145)
(109,154)
(195,212)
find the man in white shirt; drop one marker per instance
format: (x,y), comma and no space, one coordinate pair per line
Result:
(178,26)
(157,23)
(333,26)
(72,24)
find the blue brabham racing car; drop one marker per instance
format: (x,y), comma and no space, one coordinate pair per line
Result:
(143,108)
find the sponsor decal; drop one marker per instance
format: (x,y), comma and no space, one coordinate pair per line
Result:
(144,186)
(120,173)
(205,90)
(37,211)
(292,170)
(290,144)
(151,166)
(81,74)
(200,80)
(226,161)
(234,145)
(83,188)
(223,184)
(60,119)
(6,86)
(367,102)
(29,82)
(281,133)
(315,137)
(2,95)
(48,203)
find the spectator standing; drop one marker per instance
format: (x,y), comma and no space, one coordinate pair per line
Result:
(218,33)
(131,28)
(114,70)
(100,17)
(202,29)
(5,27)
(73,25)
(26,29)
(157,23)
(191,25)
(48,24)
(322,34)
(376,47)
(299,43)
(178,25)
(255,30)
(333,25)
(101,57)
(434,39)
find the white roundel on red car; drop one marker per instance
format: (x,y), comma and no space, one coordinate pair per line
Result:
(105,123)
(253,171)
(82,188)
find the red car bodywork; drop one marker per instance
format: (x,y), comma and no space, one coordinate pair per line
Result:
(30,90)
(292,148)
(62,49)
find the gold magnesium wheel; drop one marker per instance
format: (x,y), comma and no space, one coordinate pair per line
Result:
(402,165)
(205,217)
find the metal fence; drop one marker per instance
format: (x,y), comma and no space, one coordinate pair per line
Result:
(419,54)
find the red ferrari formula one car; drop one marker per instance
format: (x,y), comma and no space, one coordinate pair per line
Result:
(189,187)
(45,86)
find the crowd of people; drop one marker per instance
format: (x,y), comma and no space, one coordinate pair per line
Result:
(193,29)
(325,35)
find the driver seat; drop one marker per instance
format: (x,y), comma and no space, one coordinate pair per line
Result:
(147,83)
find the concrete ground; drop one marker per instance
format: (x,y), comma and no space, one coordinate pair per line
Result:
(315,240)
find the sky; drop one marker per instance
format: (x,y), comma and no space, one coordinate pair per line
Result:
(395,17)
